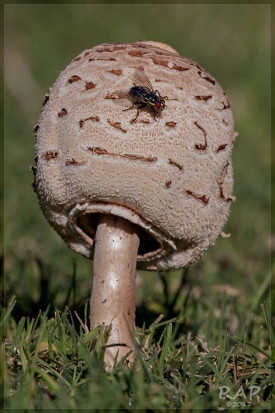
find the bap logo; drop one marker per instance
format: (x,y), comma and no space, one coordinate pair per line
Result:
(224,394)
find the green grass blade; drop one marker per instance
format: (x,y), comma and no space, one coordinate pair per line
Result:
(259,295)
(166,344)
(246,344)
(6,313)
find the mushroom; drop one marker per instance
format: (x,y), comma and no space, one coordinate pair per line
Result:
(153,193)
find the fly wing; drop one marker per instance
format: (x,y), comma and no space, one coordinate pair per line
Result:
(121,94)
(121,97)
(141,79)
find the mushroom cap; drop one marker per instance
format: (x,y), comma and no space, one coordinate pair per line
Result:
(171,176)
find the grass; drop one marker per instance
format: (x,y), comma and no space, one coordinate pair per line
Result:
(53,361)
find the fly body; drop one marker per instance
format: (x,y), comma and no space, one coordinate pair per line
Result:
(142,94)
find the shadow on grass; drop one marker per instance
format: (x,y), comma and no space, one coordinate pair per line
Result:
(50,296)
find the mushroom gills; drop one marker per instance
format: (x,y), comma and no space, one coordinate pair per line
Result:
(148,244)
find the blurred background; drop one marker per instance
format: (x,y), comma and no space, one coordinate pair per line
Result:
(233,43)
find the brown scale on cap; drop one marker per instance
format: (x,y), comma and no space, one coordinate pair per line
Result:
(50,155)
(46,98)
(136,53)
(73,162)
(208,78)
(134,157)
(171,124)
(89,85)
(201,146)
(221,147)
(117,72)
(174,163)
(110,96)
(116,125)
(76,78)
(221,184)
(73,79)
(204,98)
(147,192)
(92,118)
(33,168)
(225,105)
(203,198)
(62,113)
(106,59)
(165,63)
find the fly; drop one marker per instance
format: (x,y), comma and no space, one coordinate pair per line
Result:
(142,94)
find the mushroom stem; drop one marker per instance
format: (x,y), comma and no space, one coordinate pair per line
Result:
(113,290)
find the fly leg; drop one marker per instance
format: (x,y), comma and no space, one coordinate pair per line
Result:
(130,107)
(138,109)
(154,112)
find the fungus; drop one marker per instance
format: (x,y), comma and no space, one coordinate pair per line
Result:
(153,194)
